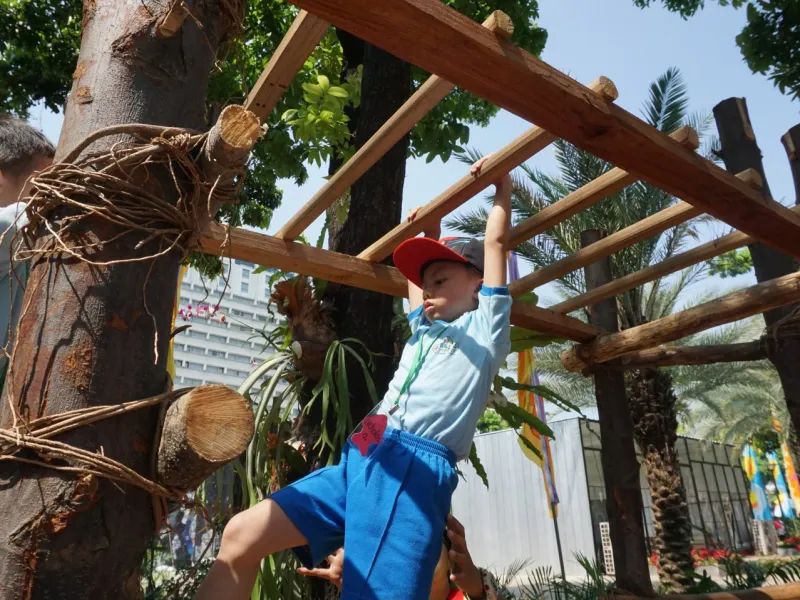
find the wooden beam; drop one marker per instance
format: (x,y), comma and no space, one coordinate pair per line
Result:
(733,307)
(673,356)
(299,42)
(701,253)
(607,184)
(504,161)
(644,229)
(455,48)
(407,116)
(267,250)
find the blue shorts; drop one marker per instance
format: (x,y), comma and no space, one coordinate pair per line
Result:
(387,509)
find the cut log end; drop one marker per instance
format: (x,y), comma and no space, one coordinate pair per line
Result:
(239,128)
(605,88)
(788,141)
(752,178)
(687,137)
(204,429)
(500,23)
(572,362)
(173,19)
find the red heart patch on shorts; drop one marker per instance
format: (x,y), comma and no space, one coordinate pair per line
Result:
(369,432)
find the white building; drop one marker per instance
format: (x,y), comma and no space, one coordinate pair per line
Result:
(216,349)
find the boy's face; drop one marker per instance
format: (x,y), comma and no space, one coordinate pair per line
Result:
(15,188)
(449,289)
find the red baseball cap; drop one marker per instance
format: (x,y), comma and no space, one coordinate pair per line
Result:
(411,256)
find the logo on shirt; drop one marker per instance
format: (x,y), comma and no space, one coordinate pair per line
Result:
(446,345)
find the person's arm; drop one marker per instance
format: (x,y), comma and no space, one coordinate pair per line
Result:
(497,226)
(432,230)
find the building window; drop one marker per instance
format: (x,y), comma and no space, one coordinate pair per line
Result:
(238,327)
(185,300)
(193,366)
(186,286)
(238,357)
(213,369)
(226,267)
(245,287)
(221,283)
(245,273)
(236,373)
(195,350)
(241,313)
(216,338)
(216,353)
(262,318)
(243,299)
(190,381)
(244,263)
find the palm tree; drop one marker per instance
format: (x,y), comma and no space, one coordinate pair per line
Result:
(651,393)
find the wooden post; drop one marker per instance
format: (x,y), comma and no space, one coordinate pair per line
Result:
(618,453)
(791,141)
(740,151)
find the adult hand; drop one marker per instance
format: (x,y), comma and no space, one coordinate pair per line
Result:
(463,571)
(332,573)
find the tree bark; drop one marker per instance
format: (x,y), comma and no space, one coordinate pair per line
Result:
(85,337)
(618,453)
(655,424)
(375,207)
(782,340)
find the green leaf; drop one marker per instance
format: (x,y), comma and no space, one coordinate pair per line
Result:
(477,465)
(528,298)
(324,83)
(524,339)
(311,88)
(338,92)
(517,416)
(530,446)
(289,115)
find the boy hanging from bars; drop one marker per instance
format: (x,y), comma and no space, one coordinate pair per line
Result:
(388,499)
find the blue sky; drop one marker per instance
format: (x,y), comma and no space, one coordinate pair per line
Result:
(588,38)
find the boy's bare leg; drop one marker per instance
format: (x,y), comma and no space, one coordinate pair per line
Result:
(248,538)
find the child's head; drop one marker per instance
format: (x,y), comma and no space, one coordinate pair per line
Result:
(23,150)
(449,272)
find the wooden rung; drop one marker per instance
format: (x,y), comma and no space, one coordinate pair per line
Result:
(399,124)
(733,307)
(299,42)
(267,250)
(450,45)
(673,264)
(642,230)
(507,159)
(673,356)
(607,184)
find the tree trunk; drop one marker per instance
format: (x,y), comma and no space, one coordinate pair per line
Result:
(85,337)
(655,424)
(617,452)
(375,207)
(782,338)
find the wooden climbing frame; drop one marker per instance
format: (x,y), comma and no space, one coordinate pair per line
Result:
(480,58)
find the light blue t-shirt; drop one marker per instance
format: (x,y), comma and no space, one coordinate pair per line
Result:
(449,393)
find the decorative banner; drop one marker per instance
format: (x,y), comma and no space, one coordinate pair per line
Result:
(170,350)
(534,404)
(791,477)
(784,500)
(758,496)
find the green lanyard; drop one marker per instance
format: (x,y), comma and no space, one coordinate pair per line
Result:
(413,370)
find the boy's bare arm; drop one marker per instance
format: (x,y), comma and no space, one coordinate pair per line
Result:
(433,231)
(497,227)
